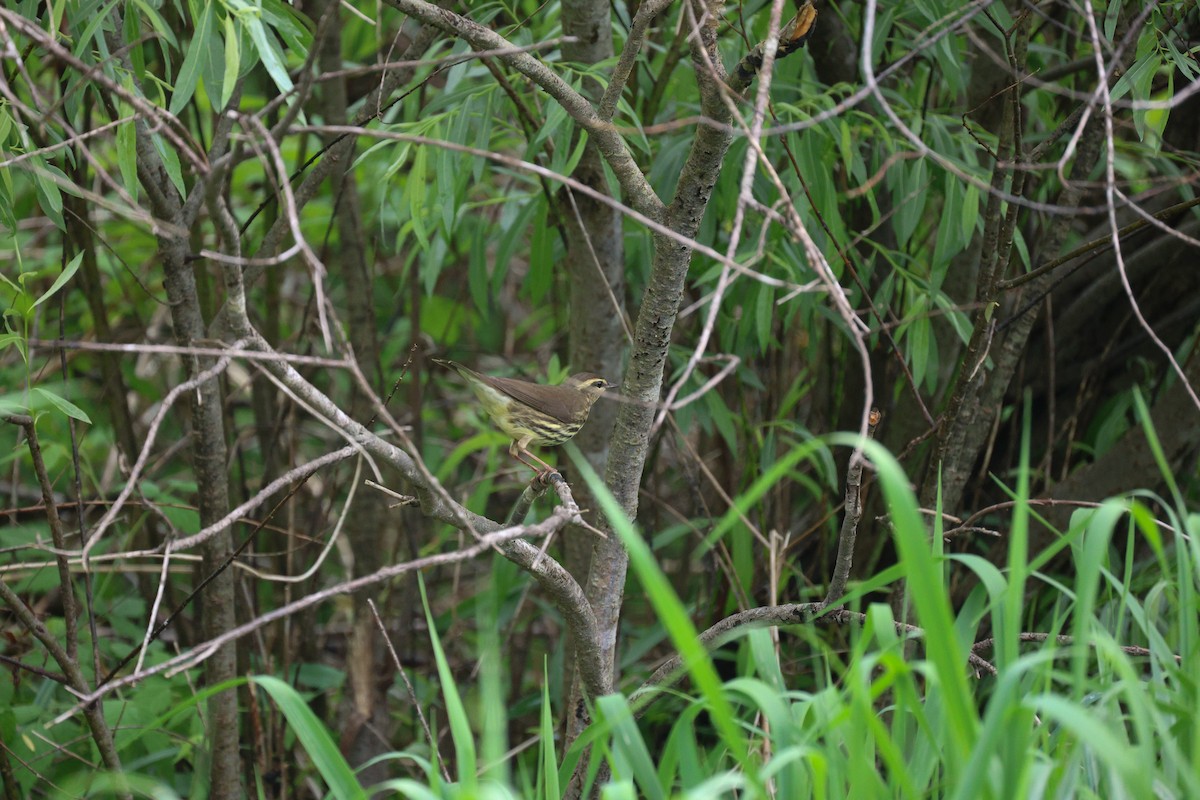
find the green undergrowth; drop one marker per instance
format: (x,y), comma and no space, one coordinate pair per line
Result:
(1094,698)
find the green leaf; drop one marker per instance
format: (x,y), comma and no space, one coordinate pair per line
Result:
(909,194)
(460,726)
(415,192)
(565,160)
(512,241)
(83,40)
(127,154)
(170,160)
(672,615)
(445,180)
(288,24)
(49,196)
(1180,60)
(268,52)
(15,340)
(315,737)
(189,73)
(233,56)
(749,498)
(950,237)
(1138,79)
(64,405)
(926,588)
(764,315)
(1111,16)
(970,211)
(61,280)
(918,336)
(547,760)
(630,754)
(133,35)
(540,277)
(160,26)
(556,122)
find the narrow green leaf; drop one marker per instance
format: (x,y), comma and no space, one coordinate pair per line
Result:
(288,24)
(170,161)
(970,212)
(1111,16)
(629,748)
(749,498)
(127,154)
(64,405)
(445,176)
(950,239)
(917,338)
(268,52)
(566,159)
(460,727)
(316,739)
(491,706)
(1156,448)
(133,35)
(415,190)
(925,582)
(64,276)
(189,73)
(764,315)
(672,614)
(83,41)
(722,418)
(477,274)
(512,241)
(1138,78)
(15,340)
(909,195)
(540,277)
(233,60)
(556,122)
(1102,738)
(49,196)
(547,760)
(157,22)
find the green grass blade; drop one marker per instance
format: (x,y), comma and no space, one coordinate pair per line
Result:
(466,763)
(319,745)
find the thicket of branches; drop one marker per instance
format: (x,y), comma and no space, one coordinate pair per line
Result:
(236,234)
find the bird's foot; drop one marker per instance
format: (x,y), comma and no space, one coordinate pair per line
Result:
(543,477)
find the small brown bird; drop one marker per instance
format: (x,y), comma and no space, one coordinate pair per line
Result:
(533,413)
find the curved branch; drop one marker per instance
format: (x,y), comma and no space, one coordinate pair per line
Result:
(633,47)
(548,573)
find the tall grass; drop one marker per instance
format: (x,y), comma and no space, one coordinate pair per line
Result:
(1094,695)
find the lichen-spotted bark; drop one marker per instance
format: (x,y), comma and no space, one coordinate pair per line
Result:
(655,322)
(596,279)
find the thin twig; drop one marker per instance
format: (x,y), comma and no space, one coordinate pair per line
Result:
(412,694)
(853,506)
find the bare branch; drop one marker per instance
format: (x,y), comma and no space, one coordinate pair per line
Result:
(853,506)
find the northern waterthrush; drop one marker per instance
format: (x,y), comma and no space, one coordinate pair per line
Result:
(533,413)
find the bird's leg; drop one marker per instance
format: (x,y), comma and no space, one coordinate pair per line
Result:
(519,447)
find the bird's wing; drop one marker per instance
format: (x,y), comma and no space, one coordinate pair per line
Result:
(560,402)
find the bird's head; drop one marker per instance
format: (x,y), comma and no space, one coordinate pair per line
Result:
(591,386)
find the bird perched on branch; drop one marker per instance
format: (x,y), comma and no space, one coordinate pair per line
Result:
(534,413)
